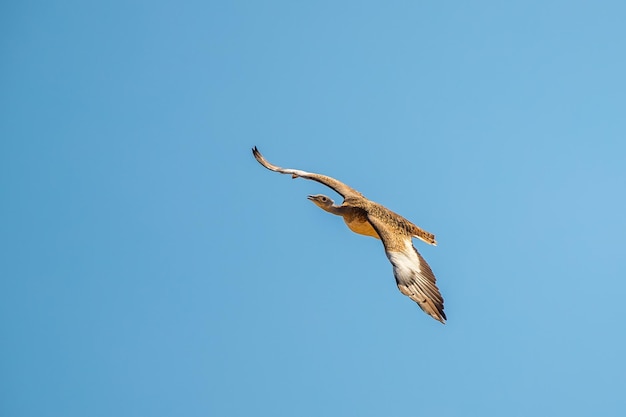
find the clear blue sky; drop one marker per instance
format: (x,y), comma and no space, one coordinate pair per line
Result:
(150,267)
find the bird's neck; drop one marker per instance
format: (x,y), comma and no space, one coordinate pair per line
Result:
(338,210)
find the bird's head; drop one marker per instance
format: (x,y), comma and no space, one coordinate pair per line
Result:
(321,201)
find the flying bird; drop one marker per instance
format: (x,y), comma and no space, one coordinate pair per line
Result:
(413,276)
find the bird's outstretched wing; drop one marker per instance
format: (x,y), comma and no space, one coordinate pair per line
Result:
(414,277)
(341,188)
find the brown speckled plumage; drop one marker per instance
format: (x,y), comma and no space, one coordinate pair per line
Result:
(413,276)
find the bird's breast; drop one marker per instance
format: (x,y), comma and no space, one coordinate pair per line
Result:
(361,226)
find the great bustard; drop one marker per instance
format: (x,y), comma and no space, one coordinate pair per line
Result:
(414,277)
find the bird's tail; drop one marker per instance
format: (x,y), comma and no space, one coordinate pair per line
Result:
(424,236)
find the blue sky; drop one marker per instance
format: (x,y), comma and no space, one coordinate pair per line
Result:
(149,266)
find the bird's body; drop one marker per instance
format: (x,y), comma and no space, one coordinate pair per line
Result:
(413,276)
(355,218)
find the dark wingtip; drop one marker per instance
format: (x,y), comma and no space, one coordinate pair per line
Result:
(443,317)
(256,153)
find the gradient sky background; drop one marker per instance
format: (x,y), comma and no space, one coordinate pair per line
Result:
(150,267)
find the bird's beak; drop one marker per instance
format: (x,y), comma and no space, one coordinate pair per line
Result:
(310,197)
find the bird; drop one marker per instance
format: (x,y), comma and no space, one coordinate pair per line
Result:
(413,275)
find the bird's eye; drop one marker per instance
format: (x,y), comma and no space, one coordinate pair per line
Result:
(324,199)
